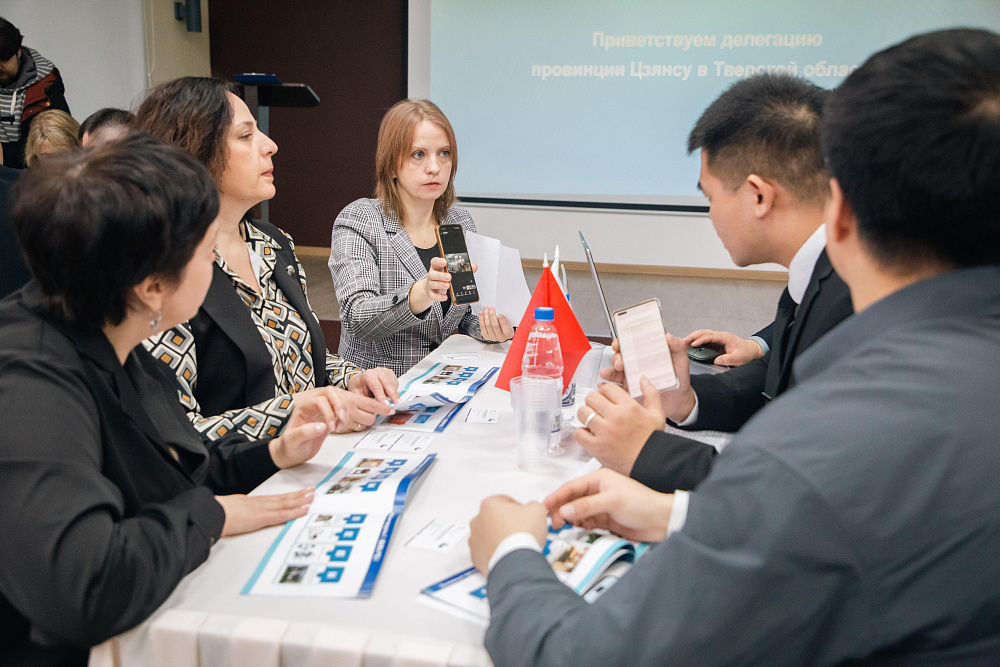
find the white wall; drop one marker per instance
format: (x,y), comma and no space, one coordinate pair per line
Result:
(615,237)
(97,45)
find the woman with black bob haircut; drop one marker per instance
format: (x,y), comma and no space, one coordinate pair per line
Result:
(109,493)
(255,348)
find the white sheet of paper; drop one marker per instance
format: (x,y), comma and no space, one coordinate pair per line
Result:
(394,441)
(513,294)
(460,356)
(500,278)
(483,416)
(439,535)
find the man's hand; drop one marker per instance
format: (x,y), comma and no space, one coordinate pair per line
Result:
(493,326)
(738,351)
(500,517)
(608,500)
(677,403)
(620,426)
(378,383)
(245,514)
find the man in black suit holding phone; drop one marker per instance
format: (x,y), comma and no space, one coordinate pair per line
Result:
(764,177)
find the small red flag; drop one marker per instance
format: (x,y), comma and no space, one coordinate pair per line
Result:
(572,341)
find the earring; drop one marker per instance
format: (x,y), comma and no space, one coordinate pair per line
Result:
(154,320)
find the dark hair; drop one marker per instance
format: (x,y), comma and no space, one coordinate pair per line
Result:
(193,113)
(94,224)
(107,117)
(10,39)
(766,125)
(913,139)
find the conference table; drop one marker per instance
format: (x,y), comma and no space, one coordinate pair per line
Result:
(207,622)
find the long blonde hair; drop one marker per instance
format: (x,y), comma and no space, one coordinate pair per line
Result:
(57,128)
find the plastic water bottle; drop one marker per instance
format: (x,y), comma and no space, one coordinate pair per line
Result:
(543,358)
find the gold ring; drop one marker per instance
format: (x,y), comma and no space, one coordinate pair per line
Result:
(586,422)
(359,426)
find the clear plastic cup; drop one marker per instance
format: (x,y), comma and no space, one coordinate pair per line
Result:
(535,401)
(588,372)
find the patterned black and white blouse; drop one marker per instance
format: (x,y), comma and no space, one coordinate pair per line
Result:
(286,338)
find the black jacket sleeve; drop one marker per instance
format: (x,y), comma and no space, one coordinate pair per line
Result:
(73,564)
(668,462)
(727,400)
(239,466)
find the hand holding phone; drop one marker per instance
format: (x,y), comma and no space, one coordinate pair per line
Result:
(643,346)
(451,245)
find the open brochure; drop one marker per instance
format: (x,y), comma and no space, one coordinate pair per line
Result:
(336,550)
(583,560)
(431,400)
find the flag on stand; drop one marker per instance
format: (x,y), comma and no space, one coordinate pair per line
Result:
(572,341)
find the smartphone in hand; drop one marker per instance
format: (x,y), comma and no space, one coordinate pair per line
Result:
(451,245)
(643,346)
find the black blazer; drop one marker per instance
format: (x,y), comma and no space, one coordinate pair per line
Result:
(727,400)
(234,364)
(101,520)
(14,272)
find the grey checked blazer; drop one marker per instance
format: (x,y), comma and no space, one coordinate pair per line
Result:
(373,263)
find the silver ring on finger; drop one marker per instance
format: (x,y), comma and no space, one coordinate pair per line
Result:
(586,422)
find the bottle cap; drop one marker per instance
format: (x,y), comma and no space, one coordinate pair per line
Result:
(545,314)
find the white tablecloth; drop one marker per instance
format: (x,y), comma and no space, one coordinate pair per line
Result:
(207,622)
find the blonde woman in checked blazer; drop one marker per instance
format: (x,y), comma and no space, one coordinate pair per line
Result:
(391,284)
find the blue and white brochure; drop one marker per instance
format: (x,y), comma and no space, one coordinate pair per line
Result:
(578,557)
(431,400)
(337,549)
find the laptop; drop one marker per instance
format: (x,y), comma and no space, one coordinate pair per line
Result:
(597,284)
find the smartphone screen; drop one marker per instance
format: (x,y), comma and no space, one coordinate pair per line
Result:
(451,243)
(643,347)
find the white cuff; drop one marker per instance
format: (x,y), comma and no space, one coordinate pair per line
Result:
(513,543)
(678,513)
(693,417)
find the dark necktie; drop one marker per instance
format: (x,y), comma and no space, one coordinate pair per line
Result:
(783,321)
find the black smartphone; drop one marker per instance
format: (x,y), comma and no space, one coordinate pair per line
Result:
(451,244)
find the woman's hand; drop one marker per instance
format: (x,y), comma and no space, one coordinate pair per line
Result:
(245,514)
(379,383)
(434,287)
(494,327)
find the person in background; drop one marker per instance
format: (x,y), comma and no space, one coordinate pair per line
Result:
(763,174)
(29,85)
(110,496)
(854,520)
(51,132)
(255,346)
(105,125)
(14,272)
(391,283)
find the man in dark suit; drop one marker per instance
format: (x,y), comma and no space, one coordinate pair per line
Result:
(855,520)
(766,184)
